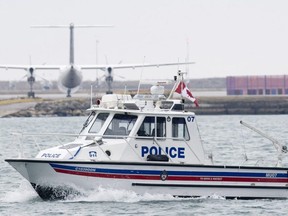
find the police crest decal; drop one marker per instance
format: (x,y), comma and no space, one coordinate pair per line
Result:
(163,175)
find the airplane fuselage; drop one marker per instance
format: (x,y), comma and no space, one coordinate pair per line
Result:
(70,79)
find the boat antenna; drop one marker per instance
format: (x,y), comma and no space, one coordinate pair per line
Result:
(125,90)
(91,90)
(97,79)
(187,57)
(139,84)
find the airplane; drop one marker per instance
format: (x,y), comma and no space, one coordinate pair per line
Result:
(70,76)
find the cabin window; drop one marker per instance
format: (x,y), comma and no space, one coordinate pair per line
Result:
(178,107)
(179,128)
(121,124)
(98,123)
(147,127)
(166,104)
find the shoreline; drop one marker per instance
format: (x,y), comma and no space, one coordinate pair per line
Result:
(220,105)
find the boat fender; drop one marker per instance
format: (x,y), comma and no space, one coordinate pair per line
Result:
(108,153)
(157,158)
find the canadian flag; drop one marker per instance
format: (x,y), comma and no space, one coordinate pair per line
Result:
(185,92)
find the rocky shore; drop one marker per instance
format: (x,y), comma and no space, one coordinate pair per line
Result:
(61,108)
(236,105)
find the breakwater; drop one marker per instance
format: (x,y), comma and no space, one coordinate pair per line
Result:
(225,105)
(242,105)
(61,108)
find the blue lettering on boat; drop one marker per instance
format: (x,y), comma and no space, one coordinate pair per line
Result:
(173,152)
(85,169)
(49,155)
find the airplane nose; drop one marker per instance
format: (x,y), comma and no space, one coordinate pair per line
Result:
(109,69)
(31,70)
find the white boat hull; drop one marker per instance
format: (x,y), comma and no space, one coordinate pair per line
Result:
(57,179)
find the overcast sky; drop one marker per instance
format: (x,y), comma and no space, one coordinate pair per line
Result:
(223,37)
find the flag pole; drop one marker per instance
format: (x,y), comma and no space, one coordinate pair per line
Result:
(177,79)
(183,90)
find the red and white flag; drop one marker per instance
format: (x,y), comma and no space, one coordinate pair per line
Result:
(185,92)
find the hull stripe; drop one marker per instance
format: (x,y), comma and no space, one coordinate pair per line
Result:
(172,175)
(211,186)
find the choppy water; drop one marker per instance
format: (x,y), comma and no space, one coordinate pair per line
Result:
(222,136)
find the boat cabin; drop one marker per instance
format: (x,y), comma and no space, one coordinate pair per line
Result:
(145,129)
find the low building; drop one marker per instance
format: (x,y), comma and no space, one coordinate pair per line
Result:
(257,85)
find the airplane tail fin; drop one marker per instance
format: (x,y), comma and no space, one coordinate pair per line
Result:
(71,27)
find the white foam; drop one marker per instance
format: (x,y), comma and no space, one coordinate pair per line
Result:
(23,193)
(214,196)
(116,195)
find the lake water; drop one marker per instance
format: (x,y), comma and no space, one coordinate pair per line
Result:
(223,136)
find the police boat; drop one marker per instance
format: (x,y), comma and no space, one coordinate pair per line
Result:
(146,144)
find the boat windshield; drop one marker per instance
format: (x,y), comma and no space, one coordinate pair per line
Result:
(98,123)
(88,121)
(121,124)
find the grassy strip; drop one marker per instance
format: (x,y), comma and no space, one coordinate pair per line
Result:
(20,100)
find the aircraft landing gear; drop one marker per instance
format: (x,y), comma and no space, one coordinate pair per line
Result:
(31,94)
(109,81)
(68,93)
(31,81)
